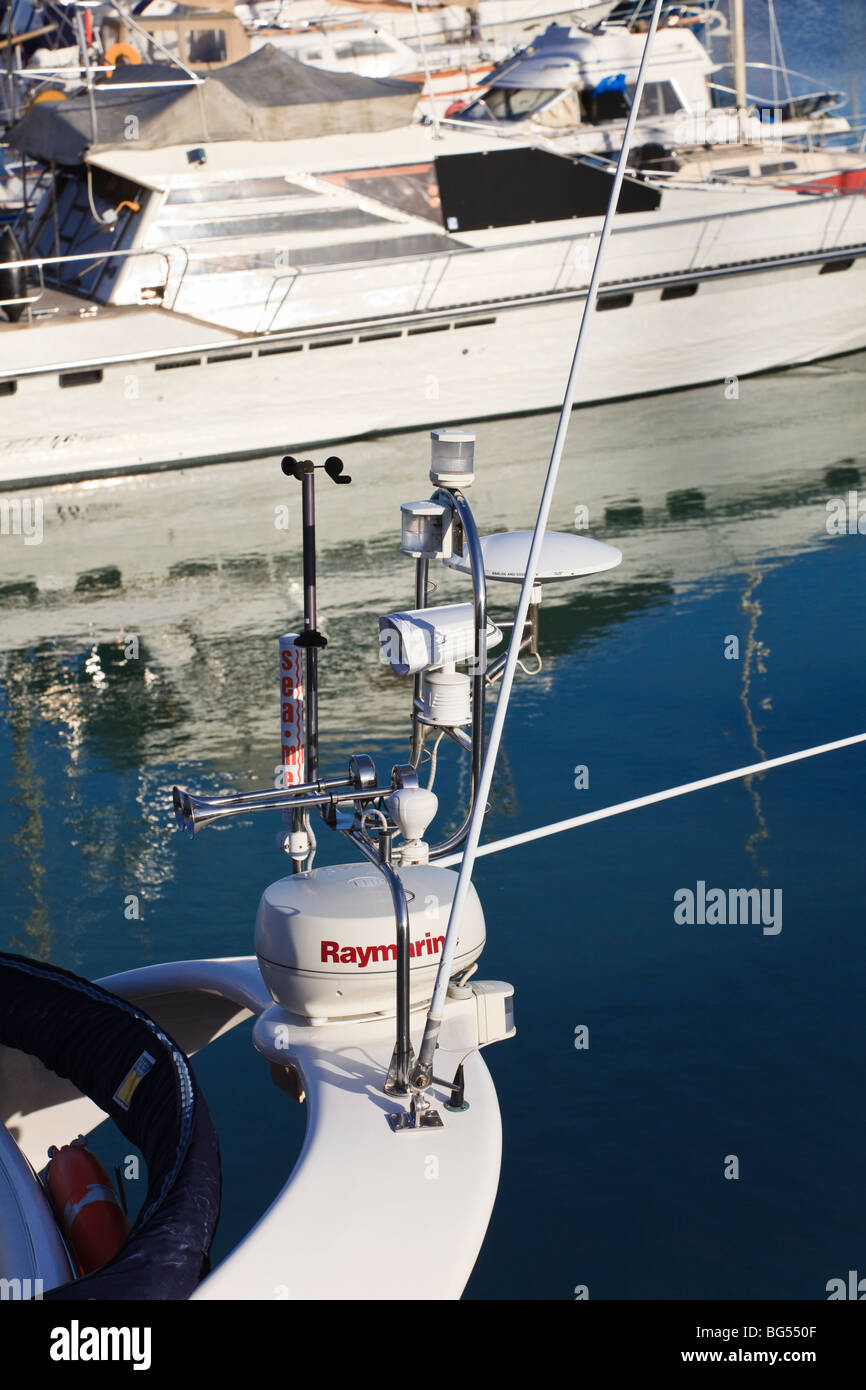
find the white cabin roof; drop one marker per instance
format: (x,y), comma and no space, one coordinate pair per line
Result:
(414,144)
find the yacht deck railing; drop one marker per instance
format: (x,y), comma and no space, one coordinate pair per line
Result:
(37,265)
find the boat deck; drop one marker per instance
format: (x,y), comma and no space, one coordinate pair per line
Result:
(126,330)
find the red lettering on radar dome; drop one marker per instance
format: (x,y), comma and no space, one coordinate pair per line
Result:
(335,954)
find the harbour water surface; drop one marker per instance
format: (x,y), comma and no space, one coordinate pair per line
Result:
(705,1041)
(138,649)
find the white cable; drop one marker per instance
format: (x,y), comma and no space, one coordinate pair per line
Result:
(556,827)
(437,1003)
(433,755)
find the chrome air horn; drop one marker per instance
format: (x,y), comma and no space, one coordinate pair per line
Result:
(194,813)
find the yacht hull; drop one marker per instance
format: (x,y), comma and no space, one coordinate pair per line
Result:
(237,397)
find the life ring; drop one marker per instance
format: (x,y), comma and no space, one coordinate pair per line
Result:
(120,53)
(88,1208)
(455,108)
(51,95)
(117,1055)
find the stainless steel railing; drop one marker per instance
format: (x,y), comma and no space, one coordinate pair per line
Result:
(37,264)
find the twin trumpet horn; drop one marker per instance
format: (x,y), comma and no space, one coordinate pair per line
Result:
(193,813)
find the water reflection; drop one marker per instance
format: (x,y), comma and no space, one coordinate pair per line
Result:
(140,637)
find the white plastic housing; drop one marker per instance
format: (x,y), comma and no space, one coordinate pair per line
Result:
(428,637)
(426,530)
(412,809)
(326,940)
(445,699)
(452,458)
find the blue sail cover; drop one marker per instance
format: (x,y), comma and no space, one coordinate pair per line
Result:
(119,1057)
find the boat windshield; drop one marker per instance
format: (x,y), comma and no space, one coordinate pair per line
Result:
(508,104)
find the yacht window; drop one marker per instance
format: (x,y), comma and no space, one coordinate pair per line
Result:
(739,171)
(229,192)
(410,188)
(361,48)
(508,104)
(169,43)
(659,99)
(266,225)
(342,253)
(561,114)
(346,252)
(781,168)
(600,107)
(207,45)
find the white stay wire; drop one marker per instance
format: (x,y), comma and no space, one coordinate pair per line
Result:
(423,1069)
(556,827)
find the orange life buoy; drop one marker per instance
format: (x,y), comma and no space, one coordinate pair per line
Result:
(49,95)
(121,52)
(93,1221)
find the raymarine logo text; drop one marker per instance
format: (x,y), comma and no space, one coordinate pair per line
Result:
(361,956)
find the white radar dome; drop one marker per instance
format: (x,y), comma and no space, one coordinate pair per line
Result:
(563,556)
(326,940)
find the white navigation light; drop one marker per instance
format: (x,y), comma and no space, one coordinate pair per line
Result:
(562,556)
(445,699)
(428,637)
(426,530)
(452,458)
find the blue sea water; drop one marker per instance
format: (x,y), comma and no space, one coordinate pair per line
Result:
(706,1042)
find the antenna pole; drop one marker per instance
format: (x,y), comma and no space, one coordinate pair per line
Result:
(311,639)
(423,1072)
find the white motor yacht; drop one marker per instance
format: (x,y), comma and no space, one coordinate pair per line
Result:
(229,282)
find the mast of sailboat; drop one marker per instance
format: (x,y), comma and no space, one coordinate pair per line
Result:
(84,49)
(437,134)
(423,1071)
(738,40)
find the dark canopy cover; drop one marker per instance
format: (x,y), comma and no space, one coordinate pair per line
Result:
(267,96)
(95,1040)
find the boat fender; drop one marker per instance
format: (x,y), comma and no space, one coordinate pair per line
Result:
(121,53)
(48,94)
(91,1216)
(13,281)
